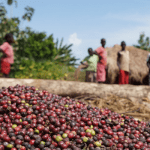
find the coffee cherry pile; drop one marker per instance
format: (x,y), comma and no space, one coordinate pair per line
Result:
(37,120)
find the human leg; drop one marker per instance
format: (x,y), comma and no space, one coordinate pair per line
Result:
(101,73)
(100,82)
(89,76)
(121,77)
(5,75)
(149,77)
(126,77)
(86,76)
(94,77)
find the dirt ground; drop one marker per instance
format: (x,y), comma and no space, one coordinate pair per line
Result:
(120,105)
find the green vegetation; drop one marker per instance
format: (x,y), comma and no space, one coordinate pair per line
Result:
(37,46)
(41,70)
(144,42)
(35,54)
(45,70)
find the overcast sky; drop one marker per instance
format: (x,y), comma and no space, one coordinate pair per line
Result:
(84,22)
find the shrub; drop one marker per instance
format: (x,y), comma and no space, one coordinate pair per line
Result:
(40,70)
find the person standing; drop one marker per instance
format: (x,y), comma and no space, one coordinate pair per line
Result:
(123,64)
(102,62)
(85,60)
(8,55)
(148,65)
(91,63)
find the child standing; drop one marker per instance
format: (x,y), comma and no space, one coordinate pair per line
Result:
(8,55)
(148,65)
(123,64)
(91,66)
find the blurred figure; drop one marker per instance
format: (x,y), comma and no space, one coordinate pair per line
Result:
(148,65)
(123,64)
(102,62)
(91,63)
(8,55)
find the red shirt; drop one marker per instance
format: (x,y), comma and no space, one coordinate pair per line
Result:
(8,50)
(103,53)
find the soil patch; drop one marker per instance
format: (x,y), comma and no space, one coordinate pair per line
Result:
(119,105)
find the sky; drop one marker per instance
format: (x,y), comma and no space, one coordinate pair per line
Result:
(84,22)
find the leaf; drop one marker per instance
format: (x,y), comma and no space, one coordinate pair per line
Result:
(31,67)
(56,45)
(49,74)
(61,43)
(28,18)
(9,2)
(66,75)
(31,75)
(21,68)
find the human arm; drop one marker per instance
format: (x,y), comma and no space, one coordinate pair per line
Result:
(4,55)
(85,60)
(118,57)
(129,72)
(84,63)
(4,48)
(95,52)
(81,62)
(1,50)
(148,62)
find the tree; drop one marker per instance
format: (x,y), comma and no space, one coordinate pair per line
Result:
(39,47)
(11,25)
(8,25)
(144,42)
(34,45)
(10,2)
(29,10)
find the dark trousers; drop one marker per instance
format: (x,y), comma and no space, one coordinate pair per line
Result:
(149,77)
(90,76)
